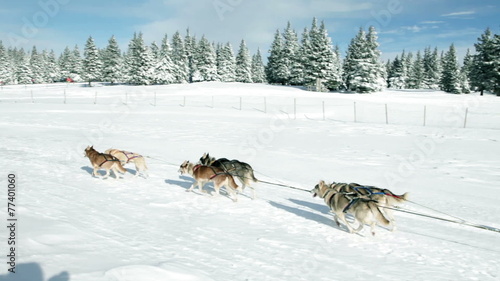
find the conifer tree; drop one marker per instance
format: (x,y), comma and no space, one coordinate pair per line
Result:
(205,62)
(52,71)
(243,70)
(36,65)
(450,78)
(164,68)
(226,63)
(23,71)
(112,70)
(416,75)
(92,65)
(139,61)
(180,59)
(5,66)
(465,72)
(258,70)
(191,49)
(397,75)
(432,69)
(484,62)
(275,61)
(77,64)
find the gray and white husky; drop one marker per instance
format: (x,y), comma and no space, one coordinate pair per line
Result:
(365,211)
(241,170)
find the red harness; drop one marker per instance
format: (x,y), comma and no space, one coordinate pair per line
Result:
(130,153)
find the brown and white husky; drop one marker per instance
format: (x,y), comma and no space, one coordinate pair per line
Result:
(203,174)
(130,157)
(104,161)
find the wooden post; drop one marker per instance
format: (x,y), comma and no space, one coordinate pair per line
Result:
(155,100)
(95,98)
(465,118)
(265,105)
(32,100)
(64,96)
(240,103)
(386,115)
(126,98)
(213,104)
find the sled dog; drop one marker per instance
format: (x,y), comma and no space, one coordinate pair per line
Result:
(364,210)
(384,197)
(241,170)
(203,174)
(130,157)
(103,161)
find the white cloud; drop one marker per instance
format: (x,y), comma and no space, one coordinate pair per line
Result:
(456,14)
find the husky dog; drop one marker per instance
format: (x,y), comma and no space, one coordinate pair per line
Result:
(241,170)
(364,210)
(384,197)
(203,174)
(103,161)
(128,157)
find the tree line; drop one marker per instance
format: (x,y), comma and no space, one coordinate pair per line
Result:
(311,61)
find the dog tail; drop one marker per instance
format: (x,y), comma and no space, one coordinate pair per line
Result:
(120,167)
(378,214)
(393,199)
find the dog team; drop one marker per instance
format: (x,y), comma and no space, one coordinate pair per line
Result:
(367,204)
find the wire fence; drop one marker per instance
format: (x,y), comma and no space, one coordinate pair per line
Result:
(471,114)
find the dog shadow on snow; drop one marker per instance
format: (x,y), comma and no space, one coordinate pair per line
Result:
(101,173)
(321,212)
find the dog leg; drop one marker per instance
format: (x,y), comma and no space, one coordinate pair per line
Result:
(106,175)
(192,187)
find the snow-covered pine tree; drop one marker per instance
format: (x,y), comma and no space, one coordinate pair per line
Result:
(164,69)
(416,75)
(226,63)
(23,71)
(363,71)
(397,75)
(377,70)
(432,69)
(408,68)
(465,72)
(139,61)
(289,55)
(450,78)
(92,65)
(258,70)
(496,64)
(180,59)
(191,50)
(484,59)
(51,67)
(205,62)
(112,62)
(275,61)
(319,69)
(37,66)
(5,66)
(77,64)
(155,51)
(243,70)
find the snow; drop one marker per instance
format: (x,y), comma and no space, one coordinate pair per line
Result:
(73,226)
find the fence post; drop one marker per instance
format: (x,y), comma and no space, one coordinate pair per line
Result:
(126,98)
(465,118)
(265,105)
(64,96)
(155,100)
(355,119)
(386,115)
(95,98)
(32,100)
(184,102)
(213,104)
(425,113)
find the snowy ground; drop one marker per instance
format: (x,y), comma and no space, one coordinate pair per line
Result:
(75,227)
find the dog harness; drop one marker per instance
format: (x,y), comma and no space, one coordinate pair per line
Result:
(369,190)
(196,167)
(130,153)
(107,158)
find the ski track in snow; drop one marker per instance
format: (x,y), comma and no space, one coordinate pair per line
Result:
(152,229)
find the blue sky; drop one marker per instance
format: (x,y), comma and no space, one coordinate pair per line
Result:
(402,24)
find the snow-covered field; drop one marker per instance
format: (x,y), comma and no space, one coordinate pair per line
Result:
(72,226)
